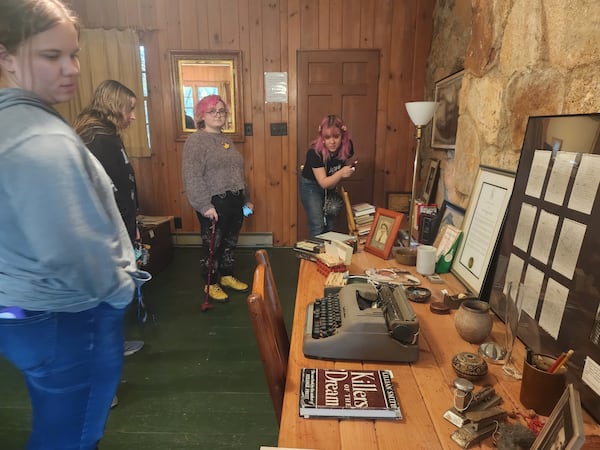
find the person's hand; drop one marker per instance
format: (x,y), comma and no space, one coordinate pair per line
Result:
(211,214)
(347,171)
(250,205)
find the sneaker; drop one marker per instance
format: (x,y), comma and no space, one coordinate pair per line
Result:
(131,347)
(216,293)
(234,283)
(115,402)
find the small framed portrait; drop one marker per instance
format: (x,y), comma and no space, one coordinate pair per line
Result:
(399,201)
(445,118)
(449,214)
(383,232)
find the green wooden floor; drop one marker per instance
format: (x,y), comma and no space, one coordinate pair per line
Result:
(197,384)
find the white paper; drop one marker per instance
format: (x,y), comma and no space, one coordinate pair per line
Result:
(569,247)
(276,87)
(486,220)
(586,183)
(524,227)
(553,307)
(544,235)
(533,281)
(591,374)
(513,272)
(537,173)
(559,178)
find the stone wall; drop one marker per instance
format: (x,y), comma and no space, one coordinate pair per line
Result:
(521,58)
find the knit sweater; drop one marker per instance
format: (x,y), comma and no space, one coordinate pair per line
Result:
(211,165)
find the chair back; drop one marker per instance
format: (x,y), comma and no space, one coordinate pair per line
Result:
(272,299)
(267,325)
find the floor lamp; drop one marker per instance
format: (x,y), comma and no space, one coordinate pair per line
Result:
(420,113)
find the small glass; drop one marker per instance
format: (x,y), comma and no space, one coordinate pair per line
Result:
(514,305)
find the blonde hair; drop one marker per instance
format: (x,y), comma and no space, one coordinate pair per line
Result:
(104,114)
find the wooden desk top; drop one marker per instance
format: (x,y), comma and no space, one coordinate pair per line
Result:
(424,388)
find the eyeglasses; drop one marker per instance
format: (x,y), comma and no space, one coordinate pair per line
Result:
(217,112)
(327,136)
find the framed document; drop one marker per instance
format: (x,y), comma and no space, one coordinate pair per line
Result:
(550,243)
(482,225)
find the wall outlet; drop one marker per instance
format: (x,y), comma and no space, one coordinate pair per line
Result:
(279,129)
(248,129)
(177,222)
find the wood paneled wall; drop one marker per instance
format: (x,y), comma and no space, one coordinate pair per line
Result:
(269,33)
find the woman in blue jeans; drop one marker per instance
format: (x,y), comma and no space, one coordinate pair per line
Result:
(67,267)
(328,161)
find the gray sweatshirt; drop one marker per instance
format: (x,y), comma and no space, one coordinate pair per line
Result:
(63,245)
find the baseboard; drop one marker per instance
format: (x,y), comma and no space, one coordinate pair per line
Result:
(245,239)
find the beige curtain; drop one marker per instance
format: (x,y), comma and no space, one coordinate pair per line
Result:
(111,54)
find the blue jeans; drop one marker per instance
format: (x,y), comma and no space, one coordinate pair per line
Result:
(313,197)
(72,364)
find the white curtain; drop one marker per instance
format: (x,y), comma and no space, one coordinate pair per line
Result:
(111,54)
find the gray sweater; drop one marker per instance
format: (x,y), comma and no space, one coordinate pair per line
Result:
(211,166)
(63,245)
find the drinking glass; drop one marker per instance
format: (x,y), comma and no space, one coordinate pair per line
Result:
(514,305)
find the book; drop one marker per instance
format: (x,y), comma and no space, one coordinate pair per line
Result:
(348,393)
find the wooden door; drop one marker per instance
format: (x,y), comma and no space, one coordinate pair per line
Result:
(341,82)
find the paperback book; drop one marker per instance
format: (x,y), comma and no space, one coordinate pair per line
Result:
(340,393)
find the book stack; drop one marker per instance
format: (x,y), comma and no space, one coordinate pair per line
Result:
(327,264)
(309,249)
(359,394)
(363,217)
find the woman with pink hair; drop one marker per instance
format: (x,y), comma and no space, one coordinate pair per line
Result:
(213,175)
(328,161)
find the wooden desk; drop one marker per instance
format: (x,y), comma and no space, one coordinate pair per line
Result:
(424,387)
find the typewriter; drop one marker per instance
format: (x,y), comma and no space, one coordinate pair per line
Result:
(362,322)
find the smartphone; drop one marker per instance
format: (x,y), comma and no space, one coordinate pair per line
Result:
(355,163)
(247,211)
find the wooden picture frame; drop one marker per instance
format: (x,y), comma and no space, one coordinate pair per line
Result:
(398,201)
(482,225)
(383,232)
(445,117)
(431,181)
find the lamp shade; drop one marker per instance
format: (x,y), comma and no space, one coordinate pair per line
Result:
(420,112)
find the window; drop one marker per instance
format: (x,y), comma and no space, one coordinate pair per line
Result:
(145,92)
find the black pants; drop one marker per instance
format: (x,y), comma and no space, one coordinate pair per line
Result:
(229,208)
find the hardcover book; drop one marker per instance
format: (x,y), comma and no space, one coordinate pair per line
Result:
(340,393)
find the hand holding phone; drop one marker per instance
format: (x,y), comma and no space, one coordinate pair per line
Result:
(355,163)
(247,211)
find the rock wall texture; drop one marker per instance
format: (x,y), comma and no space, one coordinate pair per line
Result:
(521,58)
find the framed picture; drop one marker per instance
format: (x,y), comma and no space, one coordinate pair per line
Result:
(449,214)
(550,243)
(383,232)
(399,201)
(482,224)
(564,428)
(445,118)
(431,181)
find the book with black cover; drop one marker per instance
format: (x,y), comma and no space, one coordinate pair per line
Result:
(348,393)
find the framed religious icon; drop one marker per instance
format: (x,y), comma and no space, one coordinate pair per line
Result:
(445,118)
(383,232)
(482,225)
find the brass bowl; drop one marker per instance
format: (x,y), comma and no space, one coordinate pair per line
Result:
(406,256)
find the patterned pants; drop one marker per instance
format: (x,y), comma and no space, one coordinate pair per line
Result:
(229,208)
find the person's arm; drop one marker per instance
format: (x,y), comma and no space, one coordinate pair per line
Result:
(69,217)
(193,167)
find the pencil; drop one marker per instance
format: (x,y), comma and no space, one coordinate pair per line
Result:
(561,362)
(556,362)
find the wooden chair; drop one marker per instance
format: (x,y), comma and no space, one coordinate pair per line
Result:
(267,322)
(283,340)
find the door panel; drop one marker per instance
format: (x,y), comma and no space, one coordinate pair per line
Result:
(341,82)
